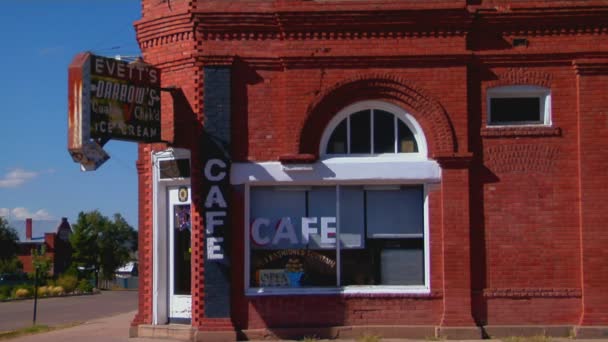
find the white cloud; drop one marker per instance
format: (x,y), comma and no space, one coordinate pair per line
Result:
(16,178)
(21,213)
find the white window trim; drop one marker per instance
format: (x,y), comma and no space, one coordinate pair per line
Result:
(399,113)
(160,257)
(522,91)
(362,170)
(351,289)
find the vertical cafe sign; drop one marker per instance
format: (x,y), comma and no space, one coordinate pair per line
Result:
(110,99)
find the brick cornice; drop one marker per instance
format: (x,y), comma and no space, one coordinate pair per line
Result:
(454,160)
(591,66)
(331,24)
(295,62)
(164,30)
(572,19)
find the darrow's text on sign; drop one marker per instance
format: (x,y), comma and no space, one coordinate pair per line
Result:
(125,100)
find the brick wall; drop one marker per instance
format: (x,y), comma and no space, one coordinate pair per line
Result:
(516,225)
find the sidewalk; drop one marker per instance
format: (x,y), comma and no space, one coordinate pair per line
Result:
(107,329)
(116,329)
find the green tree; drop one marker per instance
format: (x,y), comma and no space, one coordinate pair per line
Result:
(41,262)
(9,263)
(8,241)
(13,265)
(101,244)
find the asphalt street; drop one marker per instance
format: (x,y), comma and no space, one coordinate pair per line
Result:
(66,310)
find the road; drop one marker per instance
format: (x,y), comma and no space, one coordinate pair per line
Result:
(64,310)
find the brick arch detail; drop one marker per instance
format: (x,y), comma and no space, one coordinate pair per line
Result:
(429,113)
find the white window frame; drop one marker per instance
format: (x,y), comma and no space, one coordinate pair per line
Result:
(399,114)
(520,91)
(350,289)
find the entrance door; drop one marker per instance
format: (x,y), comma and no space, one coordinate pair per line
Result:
(180,250)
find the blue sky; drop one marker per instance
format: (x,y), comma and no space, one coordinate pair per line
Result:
(38,178)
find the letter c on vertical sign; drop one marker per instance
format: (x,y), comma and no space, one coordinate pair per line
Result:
(218,176)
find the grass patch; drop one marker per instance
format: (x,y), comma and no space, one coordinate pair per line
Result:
(369,338)
(34,329)
(539,338)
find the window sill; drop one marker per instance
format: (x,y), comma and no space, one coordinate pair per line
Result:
(520,131)
(349,291)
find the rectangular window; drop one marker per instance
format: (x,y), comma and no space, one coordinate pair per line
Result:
(174,168)
(519,105)
(336,237)
(515,109)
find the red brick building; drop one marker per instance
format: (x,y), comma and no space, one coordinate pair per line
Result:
(54,236)
(407,168)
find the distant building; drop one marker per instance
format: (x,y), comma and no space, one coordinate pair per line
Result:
(51,234)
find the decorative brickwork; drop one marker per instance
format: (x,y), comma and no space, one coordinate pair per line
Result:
(422,106)
(522,293)
(521,158)
(521,76)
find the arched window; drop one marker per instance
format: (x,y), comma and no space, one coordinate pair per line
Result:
(373,128)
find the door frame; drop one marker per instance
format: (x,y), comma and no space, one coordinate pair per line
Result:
(181,302)
(160,241)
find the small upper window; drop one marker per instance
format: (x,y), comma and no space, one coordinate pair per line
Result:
(519,105)
(372,128)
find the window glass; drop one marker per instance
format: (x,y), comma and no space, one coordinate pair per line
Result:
(380,231)
(282,254)
(384,132)
(322,218)
(371,131)
(181,249)
(515,110)
(352,217)
(174,168)
(360,135)
(337,141)
(394,213)
(402,262)
(406,142)
(276,215)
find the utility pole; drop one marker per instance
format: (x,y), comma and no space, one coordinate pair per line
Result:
(35,293)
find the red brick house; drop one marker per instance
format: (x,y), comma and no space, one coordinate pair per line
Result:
(406,168)
(50,234)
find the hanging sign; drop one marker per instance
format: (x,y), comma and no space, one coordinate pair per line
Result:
(110,99)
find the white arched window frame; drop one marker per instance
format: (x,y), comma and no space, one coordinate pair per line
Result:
(399,114)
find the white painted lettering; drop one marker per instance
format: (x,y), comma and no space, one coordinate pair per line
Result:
(215,197)
(285,230)
(213,219)
(255,231)
(214,249)
(307,229)
(217,176)
(326,230)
